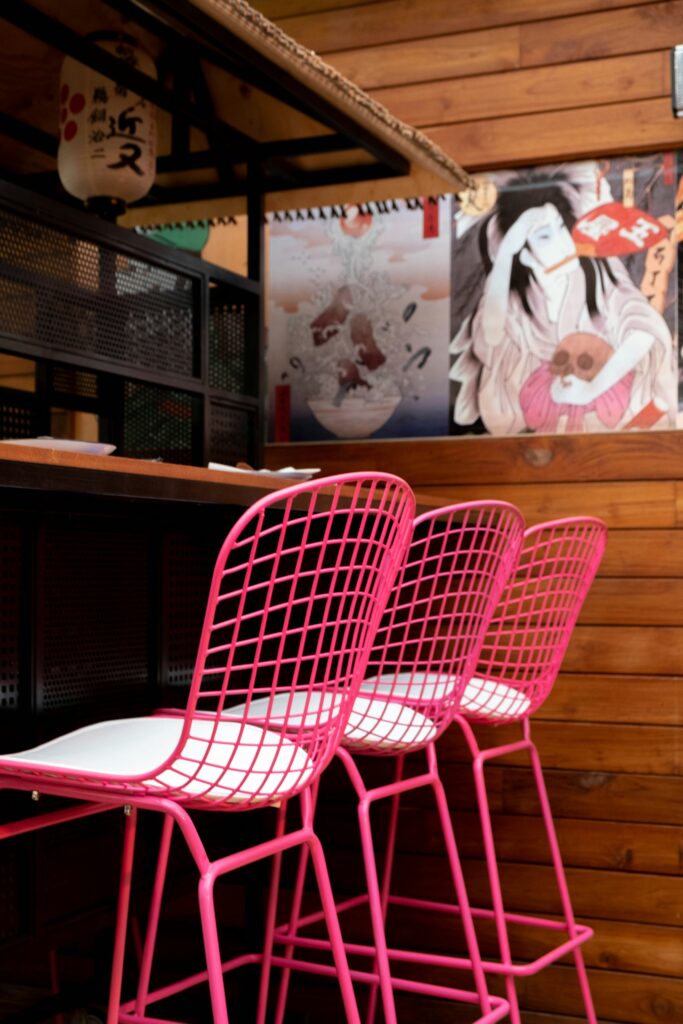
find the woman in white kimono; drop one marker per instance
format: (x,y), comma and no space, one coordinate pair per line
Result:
(556,338)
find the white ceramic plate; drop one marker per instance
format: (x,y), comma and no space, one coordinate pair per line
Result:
(287,471)
(62,445)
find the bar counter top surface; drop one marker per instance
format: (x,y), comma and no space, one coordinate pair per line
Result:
(110,476)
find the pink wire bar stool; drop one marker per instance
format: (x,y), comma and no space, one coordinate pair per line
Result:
(298,590)
(425,650)
(518,665)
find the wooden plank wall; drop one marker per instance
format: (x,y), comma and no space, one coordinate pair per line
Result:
(499,83)
(611,734)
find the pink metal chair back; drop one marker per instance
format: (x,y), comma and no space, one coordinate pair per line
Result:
(297,591)
(429,638)
(532,625)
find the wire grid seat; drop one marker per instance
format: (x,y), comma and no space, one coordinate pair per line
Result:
(296,595)
(425,650)
(517,668)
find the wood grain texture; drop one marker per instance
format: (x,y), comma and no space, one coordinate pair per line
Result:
(588,36)
(587,747)
(386,21)
(605,845)
(423,60)
(651,503)
(278,9)
(643,554)
(514,93)
(634,602)
(640,126)
(589,795)
(492,460)
(647,700)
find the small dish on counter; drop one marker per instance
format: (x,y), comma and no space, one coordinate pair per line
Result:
(61,444)
(287,471)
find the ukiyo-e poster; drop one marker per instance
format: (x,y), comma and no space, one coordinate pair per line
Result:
(358,321)
(563,315)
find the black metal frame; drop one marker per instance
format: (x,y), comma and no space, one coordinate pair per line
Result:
(113,374)
(244,166)
(184,28)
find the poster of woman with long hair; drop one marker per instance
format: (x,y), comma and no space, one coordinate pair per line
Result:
(563,300)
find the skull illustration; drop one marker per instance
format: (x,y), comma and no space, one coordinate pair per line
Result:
(581,354)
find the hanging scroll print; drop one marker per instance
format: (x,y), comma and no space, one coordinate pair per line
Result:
(563,299)
(358,305)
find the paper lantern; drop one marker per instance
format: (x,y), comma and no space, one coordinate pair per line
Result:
(107,138)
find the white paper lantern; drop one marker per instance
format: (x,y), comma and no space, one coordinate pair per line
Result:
(107,138)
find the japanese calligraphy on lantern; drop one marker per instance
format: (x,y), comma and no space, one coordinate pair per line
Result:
(107,143)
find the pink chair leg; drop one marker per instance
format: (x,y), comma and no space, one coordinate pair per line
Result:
(461,895)
(294,915)
(271,913)
(376,911)
(122,917)
(386,877)
(154,913)
(334,931)
(495,886)
(214,966)
(54,982)
(562,883)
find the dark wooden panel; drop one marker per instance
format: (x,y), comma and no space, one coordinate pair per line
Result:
(588,36)
(525,459)
(619,996)
(611,845)
(580,746)
(531,90)
(532,888)
(653,650)
(643,553)
(651,503)
(649,700)
(281,9)
(635,602)
(588,795)
(617,945)
(378,23)
(422,60)
(636,127)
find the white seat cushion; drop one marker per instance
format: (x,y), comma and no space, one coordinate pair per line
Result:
(420,687)
(372,723)
(487,698)
(299,708)
(384,724)
(238,762)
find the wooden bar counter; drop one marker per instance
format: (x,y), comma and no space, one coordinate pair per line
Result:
(61,472)
(105,564)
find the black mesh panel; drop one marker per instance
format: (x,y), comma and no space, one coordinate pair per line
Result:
(83,298)
(96,617)
(10,567)
(230,434)
(157,423)
(227,346)
(18,416)
(188,566)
